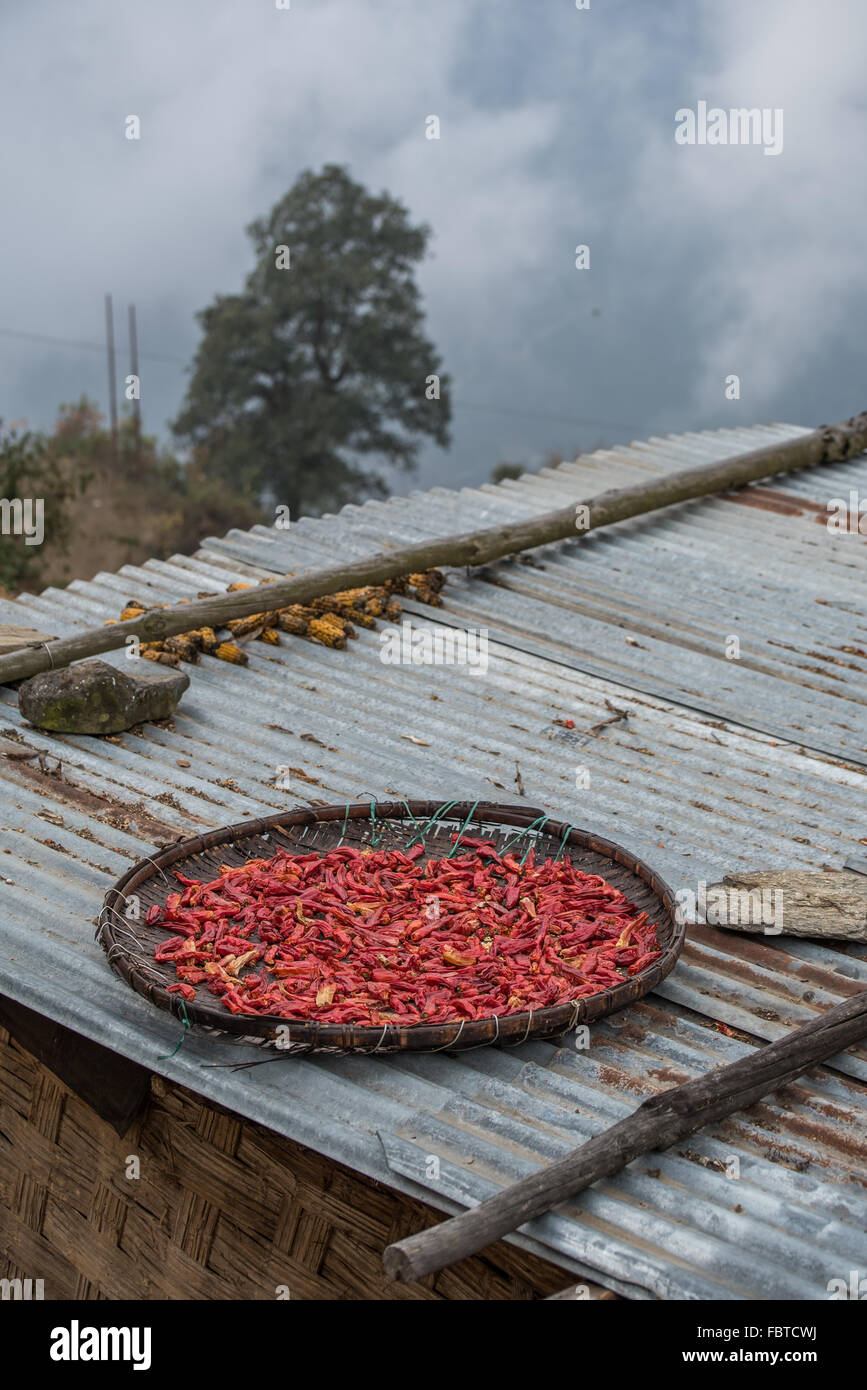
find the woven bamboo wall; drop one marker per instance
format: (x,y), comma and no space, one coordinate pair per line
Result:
(223,1208)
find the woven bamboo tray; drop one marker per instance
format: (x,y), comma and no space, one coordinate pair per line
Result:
(129,942)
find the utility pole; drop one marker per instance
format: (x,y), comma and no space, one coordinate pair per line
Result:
(136,402)
(112,380)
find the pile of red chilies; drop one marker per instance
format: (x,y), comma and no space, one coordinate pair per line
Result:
(378,937)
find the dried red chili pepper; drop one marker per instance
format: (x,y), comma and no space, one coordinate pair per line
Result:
(377,937)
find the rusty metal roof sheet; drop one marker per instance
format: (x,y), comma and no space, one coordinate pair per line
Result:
(770,1205)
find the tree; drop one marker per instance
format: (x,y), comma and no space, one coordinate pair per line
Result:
(36,490)
(501,471)
(103,508)
(146,502)
(322,359)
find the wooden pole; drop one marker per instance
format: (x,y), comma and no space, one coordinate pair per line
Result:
(112,375)
(136,400)
(830,444)
(658,1123)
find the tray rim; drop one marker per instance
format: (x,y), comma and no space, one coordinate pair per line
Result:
(291,1036)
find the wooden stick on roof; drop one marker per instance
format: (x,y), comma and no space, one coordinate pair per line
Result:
(829,444)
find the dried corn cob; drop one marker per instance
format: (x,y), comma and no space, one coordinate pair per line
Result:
(322,631)
(363,619)
(183,647)
(242,627)
(339,623)
(294,619)
(164,658)
(207,639)
(230,651)
(430,596)
(352,598)
(330,619)
(360,597)
(323,621)
(356,598)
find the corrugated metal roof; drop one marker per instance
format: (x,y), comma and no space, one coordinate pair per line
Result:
(652,603)
(695,793)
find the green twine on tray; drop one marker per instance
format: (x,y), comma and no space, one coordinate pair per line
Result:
(187,1026)
(457,842)
(566,833)
(345,819)
(437,815)
(376,836)
(538,824)
(404,802)
(544,821)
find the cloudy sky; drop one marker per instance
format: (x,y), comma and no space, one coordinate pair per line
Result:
(557,128)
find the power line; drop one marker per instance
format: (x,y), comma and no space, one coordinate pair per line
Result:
(89,347)
(457,402)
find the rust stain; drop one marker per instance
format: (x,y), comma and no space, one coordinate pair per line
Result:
(768,499)
(110,811)
(717,1165)
(744,950)
(628,1032)
(757,497)
(610,1076)
(669,1076)
(800,1126)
